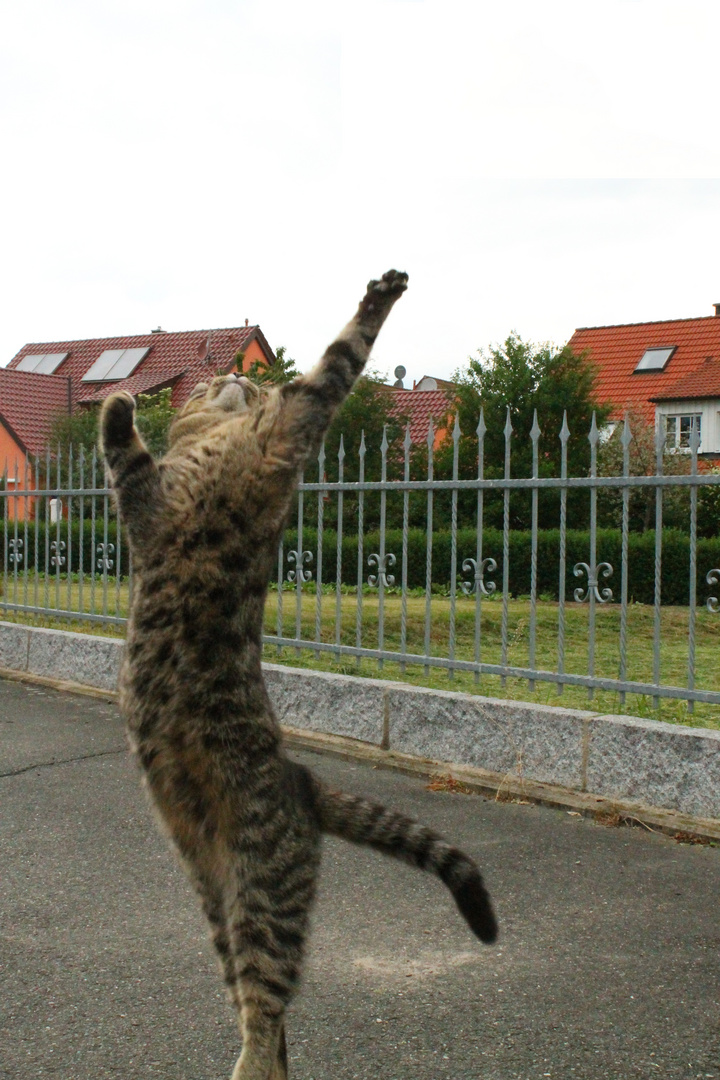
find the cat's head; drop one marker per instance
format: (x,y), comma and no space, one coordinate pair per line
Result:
(213,403)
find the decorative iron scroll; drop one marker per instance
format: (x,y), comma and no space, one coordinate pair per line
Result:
(603,569)
(713,578)
(382,567)
(104,562)
(298,574)
(57,547)
(478,582)
(16,553)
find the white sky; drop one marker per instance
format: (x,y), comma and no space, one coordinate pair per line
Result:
(532,166)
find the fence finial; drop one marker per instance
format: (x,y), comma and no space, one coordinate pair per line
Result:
(594,434)
(481,428)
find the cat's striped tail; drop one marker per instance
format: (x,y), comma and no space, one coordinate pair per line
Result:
(395,834)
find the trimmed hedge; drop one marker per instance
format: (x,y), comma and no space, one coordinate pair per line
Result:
(641,557)
(675,567)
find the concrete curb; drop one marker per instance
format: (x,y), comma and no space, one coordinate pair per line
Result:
(621,760)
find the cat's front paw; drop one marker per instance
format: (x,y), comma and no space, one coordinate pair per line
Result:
(382,294)
(116,420)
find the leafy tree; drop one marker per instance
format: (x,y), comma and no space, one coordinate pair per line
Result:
(153,417)
(79,430)
(281,371)
(643,462)
(524,377)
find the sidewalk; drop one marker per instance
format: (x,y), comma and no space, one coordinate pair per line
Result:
(608,964)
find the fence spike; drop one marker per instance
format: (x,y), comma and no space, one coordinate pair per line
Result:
(481,427)
(456,429)
(341,451)
(626,437)
(594,434)
(564,430)
(430,435)
(407,442)
(535,432)
(508,425)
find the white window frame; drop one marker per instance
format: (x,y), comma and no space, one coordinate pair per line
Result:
(680,424)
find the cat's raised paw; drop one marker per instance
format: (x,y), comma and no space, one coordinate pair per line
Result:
(393,282)
(380,297)
(116,419)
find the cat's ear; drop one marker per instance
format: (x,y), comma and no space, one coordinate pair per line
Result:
(116,421)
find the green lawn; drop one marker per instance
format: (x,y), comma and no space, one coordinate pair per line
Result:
(674,642)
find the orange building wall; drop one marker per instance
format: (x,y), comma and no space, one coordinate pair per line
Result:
(253,353)
(12,465)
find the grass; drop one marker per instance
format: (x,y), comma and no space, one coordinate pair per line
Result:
(673,654)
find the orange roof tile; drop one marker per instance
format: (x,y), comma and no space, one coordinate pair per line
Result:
(703,383)
(421,406)
(178,359)
(28,405)
(616,351)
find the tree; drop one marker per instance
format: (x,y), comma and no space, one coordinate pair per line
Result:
(153,416)
(642,454)
(524,377)
(281,371)
(365,412)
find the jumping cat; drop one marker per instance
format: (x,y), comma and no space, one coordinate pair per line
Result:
(204,525)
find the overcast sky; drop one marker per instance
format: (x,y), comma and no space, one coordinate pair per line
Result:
(534,167)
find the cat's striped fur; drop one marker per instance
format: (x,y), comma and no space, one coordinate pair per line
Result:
(204,525)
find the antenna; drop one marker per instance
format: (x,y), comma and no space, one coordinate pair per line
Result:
(204,348)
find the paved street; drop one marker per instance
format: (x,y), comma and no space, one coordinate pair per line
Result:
(608,964)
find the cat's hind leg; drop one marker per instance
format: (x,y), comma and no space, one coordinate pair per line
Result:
(264,1052)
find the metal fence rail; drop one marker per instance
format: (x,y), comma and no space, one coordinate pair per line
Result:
(64,557)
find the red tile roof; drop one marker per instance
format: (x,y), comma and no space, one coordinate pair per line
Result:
(420,406)
(28,404)
(177,359)
(703,383)
(616,351)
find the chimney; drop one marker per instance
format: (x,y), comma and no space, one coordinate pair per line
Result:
(247,323)
(158,330)
(717,308)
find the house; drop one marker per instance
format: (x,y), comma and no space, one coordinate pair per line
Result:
(49,378)
(429,399)
(28,404)
(668,371)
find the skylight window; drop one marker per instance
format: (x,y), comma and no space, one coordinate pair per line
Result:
(115,364)
(42,363)
(655,359)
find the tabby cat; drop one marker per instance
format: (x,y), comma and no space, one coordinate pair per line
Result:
(204,525)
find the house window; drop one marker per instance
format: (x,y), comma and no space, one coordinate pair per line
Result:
(655,359)
(679,428)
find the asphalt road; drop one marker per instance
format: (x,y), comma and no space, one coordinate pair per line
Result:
(608,965)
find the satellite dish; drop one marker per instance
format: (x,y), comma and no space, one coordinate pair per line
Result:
(204,349)
(400,374)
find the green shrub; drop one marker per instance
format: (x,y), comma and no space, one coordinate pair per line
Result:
(641,557)
(675,564)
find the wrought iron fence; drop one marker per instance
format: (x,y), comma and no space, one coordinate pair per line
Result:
(442,598)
